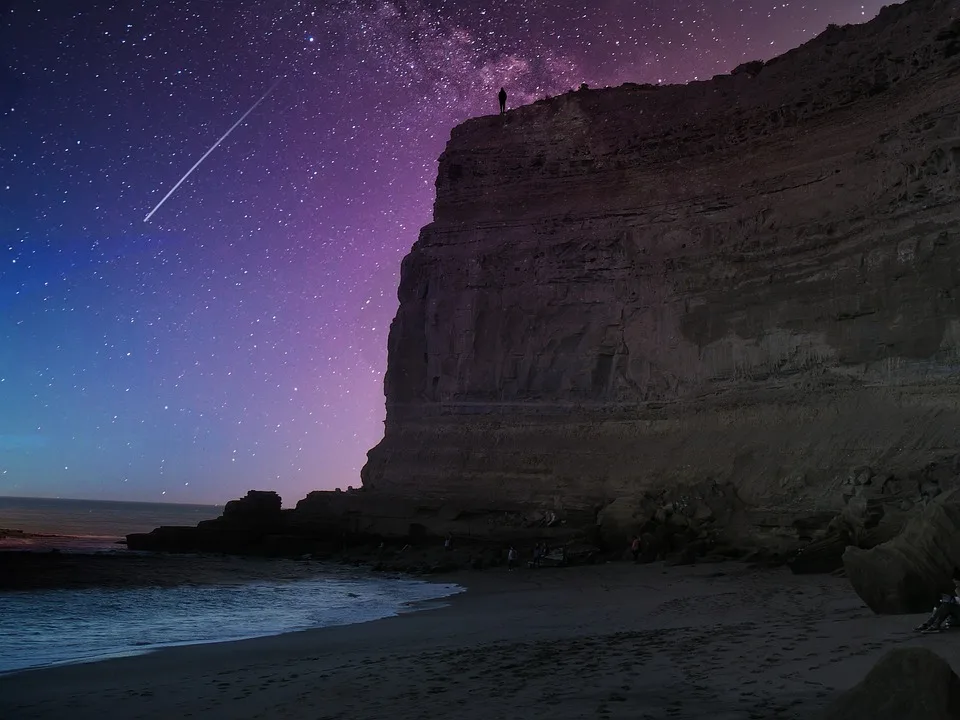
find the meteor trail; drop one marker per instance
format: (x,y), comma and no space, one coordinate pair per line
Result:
(214,147)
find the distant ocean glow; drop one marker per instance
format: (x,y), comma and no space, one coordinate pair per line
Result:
(87,525)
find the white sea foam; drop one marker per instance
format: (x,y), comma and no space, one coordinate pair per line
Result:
(48,627)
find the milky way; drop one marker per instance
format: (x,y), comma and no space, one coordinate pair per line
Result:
(238,340)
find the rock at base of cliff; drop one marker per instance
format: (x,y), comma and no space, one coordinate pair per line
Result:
(677,526)
(907,574)
(248,525)
(906,684)
(826,555)
(823,556)
(262,506)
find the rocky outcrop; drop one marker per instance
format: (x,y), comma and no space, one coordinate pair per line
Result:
(359,526)
(246,526)
(908,573)
(876,507)
(748,283)
(257,507)
(906,684)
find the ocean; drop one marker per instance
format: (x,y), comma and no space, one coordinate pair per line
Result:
(87,525)
(39,628)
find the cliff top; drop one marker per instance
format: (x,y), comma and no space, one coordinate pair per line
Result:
(839,66)
(894,61)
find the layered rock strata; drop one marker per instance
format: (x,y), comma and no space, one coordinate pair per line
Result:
(741,287)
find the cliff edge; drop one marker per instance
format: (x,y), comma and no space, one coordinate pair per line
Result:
(730,292)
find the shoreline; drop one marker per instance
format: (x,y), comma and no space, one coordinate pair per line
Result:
(613,640)
(121,654)
(206,600)
(30,570)
(119,567)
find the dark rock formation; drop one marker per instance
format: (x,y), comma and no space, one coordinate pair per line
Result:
(371,529)
(906,684)
(908,573)
(246,527)
(875,510)
(257,507)
(748,283)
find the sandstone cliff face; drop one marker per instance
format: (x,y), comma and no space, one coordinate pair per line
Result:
(749,284)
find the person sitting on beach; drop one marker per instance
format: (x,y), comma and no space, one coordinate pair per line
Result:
(947,612)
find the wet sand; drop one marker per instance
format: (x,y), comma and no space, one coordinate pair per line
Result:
(610,641)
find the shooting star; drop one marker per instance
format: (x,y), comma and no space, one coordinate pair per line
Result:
(214,147)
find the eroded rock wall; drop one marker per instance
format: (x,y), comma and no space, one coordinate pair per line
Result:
(752,281)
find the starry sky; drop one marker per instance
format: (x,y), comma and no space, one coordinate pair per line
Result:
(237,339)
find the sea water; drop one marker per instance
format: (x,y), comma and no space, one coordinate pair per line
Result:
(48,627)
(39,628)
(85,525)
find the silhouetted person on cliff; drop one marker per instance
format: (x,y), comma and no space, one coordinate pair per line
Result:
(502,96)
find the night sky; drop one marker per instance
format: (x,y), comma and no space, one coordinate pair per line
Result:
(237,340)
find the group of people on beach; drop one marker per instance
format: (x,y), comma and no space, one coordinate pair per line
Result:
(540,552)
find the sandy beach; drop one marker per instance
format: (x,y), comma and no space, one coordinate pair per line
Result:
(609,641)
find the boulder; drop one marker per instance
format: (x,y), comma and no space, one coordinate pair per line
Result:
(242,529)
(822,556)
(622,518)
(167,538)
(906,684)
(826,555)
(257,506)
(907,573)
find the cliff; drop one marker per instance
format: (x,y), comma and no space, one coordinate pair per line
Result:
(725,294)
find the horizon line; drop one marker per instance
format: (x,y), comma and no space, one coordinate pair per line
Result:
(129,502)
